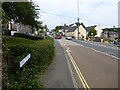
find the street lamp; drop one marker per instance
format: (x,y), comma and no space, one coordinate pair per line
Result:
(78,18)
(78,29)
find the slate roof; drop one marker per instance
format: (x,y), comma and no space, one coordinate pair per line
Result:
(111,29)
(87,29)
(72,28)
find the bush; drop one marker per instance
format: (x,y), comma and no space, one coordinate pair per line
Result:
(21,35)
(42,52)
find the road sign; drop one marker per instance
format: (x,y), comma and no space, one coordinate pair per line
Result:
(25,60)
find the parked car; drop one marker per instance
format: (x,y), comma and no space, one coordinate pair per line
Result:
(69,37)
(58,37)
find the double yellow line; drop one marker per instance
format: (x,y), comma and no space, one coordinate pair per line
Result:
(81,77)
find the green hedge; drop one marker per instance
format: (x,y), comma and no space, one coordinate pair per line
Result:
(21,35)
(42,53)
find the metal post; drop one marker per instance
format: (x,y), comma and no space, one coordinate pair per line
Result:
(78,18)
(78,28)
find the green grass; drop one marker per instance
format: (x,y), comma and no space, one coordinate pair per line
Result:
(22,41)
(17,41)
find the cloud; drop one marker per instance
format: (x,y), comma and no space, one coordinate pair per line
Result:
(55,12)
(105,14)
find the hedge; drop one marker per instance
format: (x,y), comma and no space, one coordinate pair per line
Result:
(27,36)
(42,53)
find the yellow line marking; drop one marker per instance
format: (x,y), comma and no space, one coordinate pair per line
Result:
(81,77)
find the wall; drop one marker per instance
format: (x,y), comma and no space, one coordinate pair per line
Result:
(22,28)
(99,31)
(82,33)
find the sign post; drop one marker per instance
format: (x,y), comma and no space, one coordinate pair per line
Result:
(25,60)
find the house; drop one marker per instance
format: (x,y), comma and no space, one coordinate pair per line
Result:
(82,32)
(72,30)
(64,29)
(20,28)
(99,31)
(97,28)
(110,33)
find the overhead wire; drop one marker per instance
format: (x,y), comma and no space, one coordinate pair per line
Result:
(90,21)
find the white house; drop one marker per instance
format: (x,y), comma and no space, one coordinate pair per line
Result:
(72,30)
(99,31)
(20,28)
(83,31)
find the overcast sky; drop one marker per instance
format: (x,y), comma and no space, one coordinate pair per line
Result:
(91,12)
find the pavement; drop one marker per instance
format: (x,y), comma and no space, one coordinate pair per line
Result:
(58,75)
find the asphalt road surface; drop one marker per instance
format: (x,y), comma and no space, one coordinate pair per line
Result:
(99,70)
(110,49)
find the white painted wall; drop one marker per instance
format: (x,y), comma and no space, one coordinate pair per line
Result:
(99,31)
(12,32)
(82,32)
(69,34)
(21,28)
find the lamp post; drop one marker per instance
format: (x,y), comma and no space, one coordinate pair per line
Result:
(78,29)
(78,18)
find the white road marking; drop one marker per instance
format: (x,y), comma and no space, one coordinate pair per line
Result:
(105,53)
(74,43)
(100,52)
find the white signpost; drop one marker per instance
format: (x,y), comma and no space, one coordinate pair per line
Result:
(25,60)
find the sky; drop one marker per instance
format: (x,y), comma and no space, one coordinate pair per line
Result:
(91,12)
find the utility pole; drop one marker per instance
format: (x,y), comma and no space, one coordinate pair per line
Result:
(78,18)
(78,29)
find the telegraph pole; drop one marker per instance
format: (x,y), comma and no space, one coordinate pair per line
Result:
(78,18)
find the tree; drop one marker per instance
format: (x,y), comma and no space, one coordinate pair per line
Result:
(3,16)
(57,28)
(24,12)
(92,31)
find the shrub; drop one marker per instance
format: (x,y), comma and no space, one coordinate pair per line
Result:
(42,52)
(21,35)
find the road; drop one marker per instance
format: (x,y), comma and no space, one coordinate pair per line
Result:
(109,49)
(98,70)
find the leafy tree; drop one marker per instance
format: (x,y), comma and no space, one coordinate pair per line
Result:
(24,12)
(3,17)
(57,28)
(92,31)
